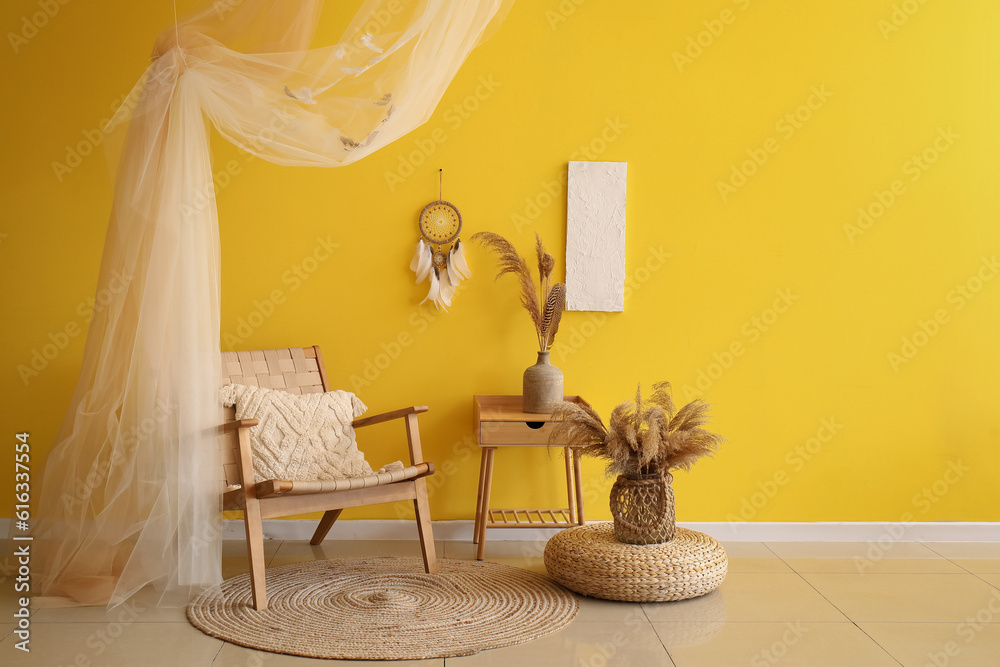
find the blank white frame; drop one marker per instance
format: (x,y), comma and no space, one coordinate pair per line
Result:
(595,236)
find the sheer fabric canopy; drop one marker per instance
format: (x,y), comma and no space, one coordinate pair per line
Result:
(131,490)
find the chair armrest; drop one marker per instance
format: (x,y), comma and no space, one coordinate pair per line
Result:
(388,416)
(237,424)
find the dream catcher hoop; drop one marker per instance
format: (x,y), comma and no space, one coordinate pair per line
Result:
(440,223)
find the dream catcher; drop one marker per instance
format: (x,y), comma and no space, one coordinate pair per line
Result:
(440,224)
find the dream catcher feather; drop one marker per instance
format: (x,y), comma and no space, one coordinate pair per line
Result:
(440,224)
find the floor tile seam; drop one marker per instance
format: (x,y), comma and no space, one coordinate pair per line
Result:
(267,562)
(983,579)
(218,653)
(107,622)
(768,547)
(845,622)
(645,615)
(828,600)
(951,623)
(656,634)
(783,561)
(979,576)
(955,559)
(935,557)
(952,574)
(927,545)
(877,643)
(866,574)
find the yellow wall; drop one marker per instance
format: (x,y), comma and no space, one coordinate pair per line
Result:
(885,87)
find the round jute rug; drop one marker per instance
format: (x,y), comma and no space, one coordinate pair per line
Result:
(385,609)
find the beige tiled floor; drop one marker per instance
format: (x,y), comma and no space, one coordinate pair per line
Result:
(799,604)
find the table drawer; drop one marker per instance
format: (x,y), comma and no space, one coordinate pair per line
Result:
(514,433)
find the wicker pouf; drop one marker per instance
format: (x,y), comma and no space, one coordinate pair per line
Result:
(590,561)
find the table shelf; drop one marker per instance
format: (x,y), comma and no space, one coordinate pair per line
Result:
(530,518)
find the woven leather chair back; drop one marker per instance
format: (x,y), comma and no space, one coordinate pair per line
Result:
(297,370)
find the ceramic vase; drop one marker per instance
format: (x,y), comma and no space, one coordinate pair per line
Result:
(543,386)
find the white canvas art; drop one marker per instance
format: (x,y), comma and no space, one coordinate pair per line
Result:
(595,236)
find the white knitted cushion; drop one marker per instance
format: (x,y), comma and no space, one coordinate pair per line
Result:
(300,437)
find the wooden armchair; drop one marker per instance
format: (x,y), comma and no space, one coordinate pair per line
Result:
(300,370)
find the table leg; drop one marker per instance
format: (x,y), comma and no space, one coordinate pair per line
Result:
(568,455)
(484,512)
(479,496)
(579,486)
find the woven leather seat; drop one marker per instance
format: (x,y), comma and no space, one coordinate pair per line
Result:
(274,487)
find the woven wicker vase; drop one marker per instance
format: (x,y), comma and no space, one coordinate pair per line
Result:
(643,508)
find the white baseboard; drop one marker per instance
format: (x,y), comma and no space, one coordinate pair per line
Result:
(751,531)
(823,531)
(850,531)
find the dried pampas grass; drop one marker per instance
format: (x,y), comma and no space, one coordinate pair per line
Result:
(544,305)
(642,437)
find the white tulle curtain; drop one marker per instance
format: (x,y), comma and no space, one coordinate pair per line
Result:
(131,490)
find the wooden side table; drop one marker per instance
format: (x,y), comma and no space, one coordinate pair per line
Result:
(502,422)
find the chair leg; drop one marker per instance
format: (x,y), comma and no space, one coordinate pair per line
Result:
(255,549)
(325,524)
(423,512)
